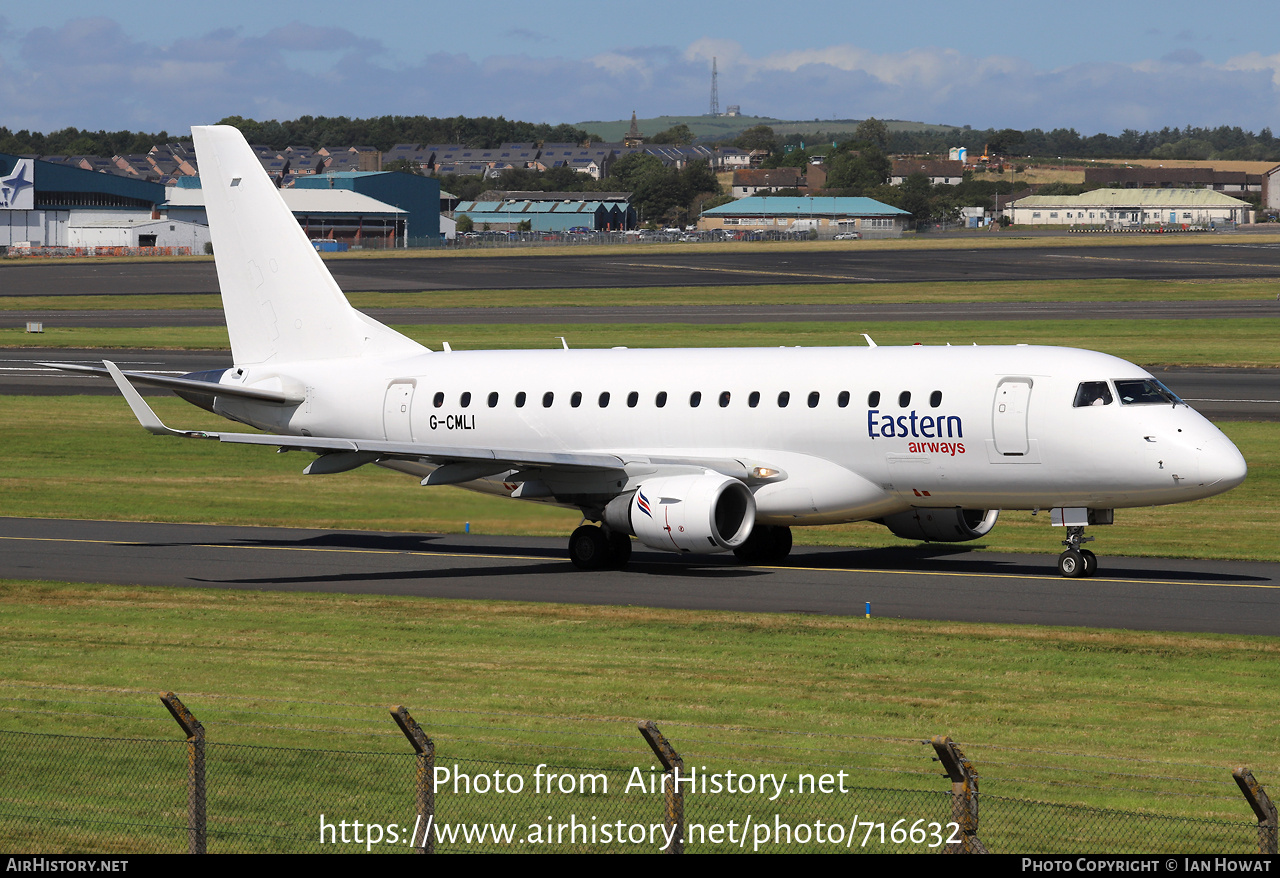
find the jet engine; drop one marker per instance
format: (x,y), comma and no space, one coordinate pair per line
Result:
(691,513)
(948,525)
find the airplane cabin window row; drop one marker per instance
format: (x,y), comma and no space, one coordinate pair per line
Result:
(695,399)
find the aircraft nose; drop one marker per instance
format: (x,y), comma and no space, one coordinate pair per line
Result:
(1222,466)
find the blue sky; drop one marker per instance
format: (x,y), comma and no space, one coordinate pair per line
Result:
(1089,65)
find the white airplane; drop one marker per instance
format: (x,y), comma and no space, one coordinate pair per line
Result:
(691,451)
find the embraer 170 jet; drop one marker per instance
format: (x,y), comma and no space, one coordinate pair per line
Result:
(691,451)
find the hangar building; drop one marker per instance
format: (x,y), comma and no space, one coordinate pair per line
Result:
(47,204)
(828,216)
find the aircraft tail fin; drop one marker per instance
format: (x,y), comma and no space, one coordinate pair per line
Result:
(280,301)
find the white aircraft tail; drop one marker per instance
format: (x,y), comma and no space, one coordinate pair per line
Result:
(281,303)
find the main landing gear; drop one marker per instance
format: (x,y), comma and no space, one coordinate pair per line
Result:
(594,548)
(768,544)
(1076,561)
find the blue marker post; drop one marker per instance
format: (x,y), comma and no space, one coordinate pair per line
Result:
(868,609)
(466,529)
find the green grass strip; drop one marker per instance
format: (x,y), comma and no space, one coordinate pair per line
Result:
(1228,342)
(1109,290)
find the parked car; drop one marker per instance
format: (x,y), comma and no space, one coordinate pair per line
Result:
(848,236)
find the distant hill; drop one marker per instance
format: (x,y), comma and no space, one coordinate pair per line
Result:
(717,127)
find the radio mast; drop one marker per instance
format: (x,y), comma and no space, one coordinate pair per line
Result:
(715,91)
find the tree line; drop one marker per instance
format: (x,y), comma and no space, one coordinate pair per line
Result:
(382,133)
(1224,142)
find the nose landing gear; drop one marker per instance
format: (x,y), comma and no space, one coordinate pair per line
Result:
(1076,561)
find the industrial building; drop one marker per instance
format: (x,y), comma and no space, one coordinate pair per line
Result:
(827,216)
(550,211)
(45,204)
(1122,208)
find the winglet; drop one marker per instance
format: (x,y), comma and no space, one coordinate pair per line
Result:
(146,417)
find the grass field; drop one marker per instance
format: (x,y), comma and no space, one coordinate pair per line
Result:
(1261,290)
(564,684)
(1240,342)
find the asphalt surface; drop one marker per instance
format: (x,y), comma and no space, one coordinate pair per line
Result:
(931,582)
(1180,259)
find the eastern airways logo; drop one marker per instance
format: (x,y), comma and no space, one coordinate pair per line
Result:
(17,191)
(913,425)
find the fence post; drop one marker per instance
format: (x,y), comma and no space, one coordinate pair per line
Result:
(196,826)
(426,781)
(1262,806)
(672,796)
(964,795)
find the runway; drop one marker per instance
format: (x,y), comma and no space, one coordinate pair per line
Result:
(1182,259)
(930,582)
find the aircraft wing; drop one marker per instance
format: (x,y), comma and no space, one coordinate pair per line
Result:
(457,463)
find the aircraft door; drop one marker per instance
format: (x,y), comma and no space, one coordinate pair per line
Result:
(1009,416)
(397,411)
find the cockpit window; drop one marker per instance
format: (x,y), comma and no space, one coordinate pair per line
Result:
(1146,391)
(1092,393)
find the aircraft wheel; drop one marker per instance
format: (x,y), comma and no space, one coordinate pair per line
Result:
(1071,563)
(781,543)
(1090,562)
(589,548)
(619,550)
(767,543)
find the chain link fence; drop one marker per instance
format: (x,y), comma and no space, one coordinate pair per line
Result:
(567,792)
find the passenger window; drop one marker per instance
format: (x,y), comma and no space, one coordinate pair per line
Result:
(547,399)
(1092,393)
(466,399)
(935,399)
(520,397)
(813,400)
(604,400)
(438,400)
(783,398)
(874,399)
(695,399)
(632,399)
(661,399)
(754,399)
(724,399)
(493,400)
(904,399)
(576,399)
(843,399)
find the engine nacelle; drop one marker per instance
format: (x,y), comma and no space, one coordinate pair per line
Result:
(692,513)
(948,525)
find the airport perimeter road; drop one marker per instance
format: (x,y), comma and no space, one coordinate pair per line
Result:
(1220,394)
(930,582)
(1196,258)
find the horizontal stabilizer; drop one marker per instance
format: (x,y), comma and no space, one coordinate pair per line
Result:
(190,385)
